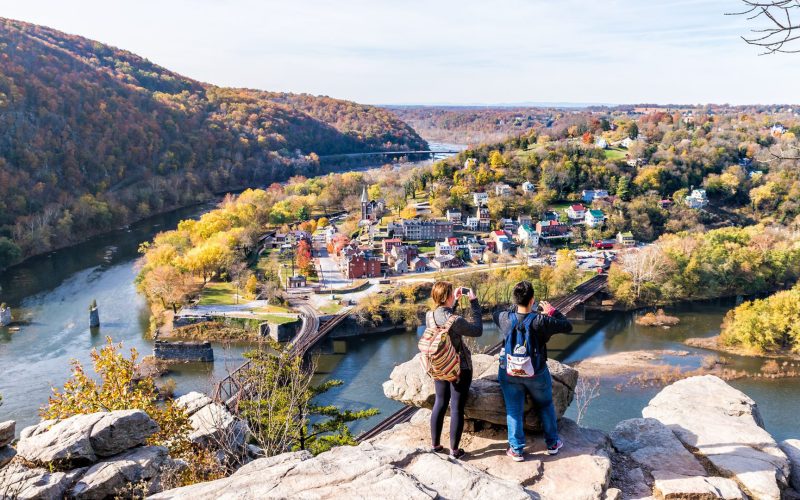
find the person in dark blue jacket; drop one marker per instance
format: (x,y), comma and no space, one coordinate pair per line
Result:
(540,326)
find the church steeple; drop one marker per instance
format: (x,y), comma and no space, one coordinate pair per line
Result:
(364,197)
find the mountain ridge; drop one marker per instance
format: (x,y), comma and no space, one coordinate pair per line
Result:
(92,137)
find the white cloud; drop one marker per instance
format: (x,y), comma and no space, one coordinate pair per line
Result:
(465,51)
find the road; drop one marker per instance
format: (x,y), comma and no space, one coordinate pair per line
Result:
(330,277)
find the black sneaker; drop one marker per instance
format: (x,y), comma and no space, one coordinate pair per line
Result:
(457,453)
(553,450)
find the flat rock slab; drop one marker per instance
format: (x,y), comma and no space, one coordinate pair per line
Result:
(7,430)
(653,445)
(723,425)
(669,486)
(22,483)
(792,449)
(108,479)
(410,384)
(581,470)
(365,471)
(193,401)
(85,438)
(214,426)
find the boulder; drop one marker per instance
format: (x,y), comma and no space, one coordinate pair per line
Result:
(581,470)
(193,401)
(6,454)
(792,449)
(410,384)
(137,468)
(214,426)
(366,471)
(652,445)
(121,430)
(723,425)
(64,442)
(20,482)
(82,439)
(7,430)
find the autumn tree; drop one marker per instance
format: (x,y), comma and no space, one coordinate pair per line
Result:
(168,285)
(303,255)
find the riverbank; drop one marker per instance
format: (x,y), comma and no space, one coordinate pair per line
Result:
(714,344)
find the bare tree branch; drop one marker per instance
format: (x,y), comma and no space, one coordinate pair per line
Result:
(782,30)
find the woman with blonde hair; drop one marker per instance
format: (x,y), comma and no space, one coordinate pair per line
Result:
(454,393)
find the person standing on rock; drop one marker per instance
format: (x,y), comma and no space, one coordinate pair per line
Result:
(523,366)
(453,393)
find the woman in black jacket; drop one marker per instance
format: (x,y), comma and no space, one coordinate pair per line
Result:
(453,393)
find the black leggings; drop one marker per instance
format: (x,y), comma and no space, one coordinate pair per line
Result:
(454,393)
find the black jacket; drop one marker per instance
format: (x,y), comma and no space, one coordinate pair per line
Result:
(542,328)
(472,326)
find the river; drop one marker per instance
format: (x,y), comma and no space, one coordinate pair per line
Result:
(52,294)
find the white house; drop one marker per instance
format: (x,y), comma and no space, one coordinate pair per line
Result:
(480,198)
(454,216)
(576,212)
(778,129)
(697,199)
(627,142)
(472,223)
(502,189)
(401,266)
(528,187)
(528,236)
(508,224)
(601,143)
(594,218)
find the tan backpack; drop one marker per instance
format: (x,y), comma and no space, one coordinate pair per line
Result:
(439,358)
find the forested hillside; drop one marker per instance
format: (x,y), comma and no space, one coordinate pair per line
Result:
(472,125)
(92,137)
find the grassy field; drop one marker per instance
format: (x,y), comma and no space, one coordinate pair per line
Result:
(218,294)
(615,153)
(330,308)
(274,318)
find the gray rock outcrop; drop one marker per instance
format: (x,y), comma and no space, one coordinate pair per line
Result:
(85,438)
(581,470)
(7,453)
(653,446)
(366,471)
(137,468)
(193,401)
(792,449)
(723,425)
(410,384)
(53,449)
(7,430)
(22,483)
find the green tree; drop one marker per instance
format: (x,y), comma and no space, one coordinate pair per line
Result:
(9,252)
(280,409)
(633,130)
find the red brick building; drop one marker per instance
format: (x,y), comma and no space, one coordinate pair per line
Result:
(360,266)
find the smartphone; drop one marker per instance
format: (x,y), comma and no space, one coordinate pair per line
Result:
(464,290)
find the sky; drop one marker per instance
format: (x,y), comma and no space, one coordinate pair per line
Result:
(444,51)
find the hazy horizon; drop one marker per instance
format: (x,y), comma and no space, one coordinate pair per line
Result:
(445,53)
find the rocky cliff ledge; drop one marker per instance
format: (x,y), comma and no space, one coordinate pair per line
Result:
(698,438)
